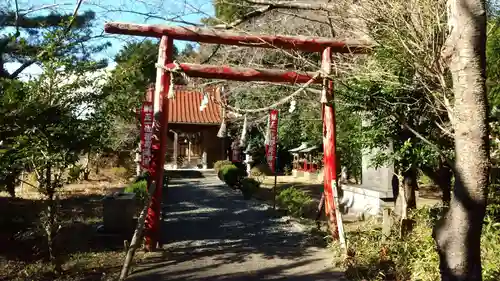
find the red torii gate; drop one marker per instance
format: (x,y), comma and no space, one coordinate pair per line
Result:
(207,35)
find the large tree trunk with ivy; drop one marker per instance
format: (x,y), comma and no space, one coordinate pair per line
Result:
(458,233)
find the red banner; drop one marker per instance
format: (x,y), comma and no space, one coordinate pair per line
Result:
(147,115)
(272,141)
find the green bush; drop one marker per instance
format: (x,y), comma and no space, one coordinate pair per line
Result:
(371,258)
(231,175)
(140,188)
(295,201)
(74,173)
(219,164)
(249,187)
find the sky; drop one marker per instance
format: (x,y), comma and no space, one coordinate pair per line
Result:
(134,11)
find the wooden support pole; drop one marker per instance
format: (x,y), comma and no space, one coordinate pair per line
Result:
(243,73)
(159,143)
(214,36)
(135,243)
(176,143)
(329,149)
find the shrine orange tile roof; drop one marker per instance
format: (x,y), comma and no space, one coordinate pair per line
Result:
(185,107)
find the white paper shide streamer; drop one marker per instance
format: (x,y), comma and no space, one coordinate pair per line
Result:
(243,138)
(204,102)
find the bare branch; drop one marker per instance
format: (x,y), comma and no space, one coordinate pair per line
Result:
(214,52)
(294,5)
(246,17)
(17,17)
(36,9)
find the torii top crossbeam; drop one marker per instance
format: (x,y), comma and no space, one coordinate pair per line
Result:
(214,36)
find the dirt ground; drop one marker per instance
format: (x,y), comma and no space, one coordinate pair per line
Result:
(86,256)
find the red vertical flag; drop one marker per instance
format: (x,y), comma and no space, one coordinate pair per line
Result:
(272,139)
(146,133)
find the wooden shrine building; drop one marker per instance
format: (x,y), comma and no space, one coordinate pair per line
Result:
(192,133)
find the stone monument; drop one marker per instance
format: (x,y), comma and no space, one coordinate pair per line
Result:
(375,189)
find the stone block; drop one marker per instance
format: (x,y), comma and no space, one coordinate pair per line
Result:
(118,212)
(368,201)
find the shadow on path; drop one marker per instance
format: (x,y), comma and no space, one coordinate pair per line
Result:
(210,233)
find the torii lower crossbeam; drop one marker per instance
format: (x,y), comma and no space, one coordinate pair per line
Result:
(243,73)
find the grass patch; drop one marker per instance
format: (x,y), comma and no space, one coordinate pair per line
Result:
(296,202)
(86,255)
(372,258)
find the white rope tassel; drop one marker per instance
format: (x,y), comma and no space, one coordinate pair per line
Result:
(171,88)
(223,127)
(176,69)
(324,91)
(293,103)
(222,130)
(267,136)
(243,138)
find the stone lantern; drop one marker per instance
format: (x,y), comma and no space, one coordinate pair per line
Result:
(248,159)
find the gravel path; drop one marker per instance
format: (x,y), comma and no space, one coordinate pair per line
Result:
(210,233)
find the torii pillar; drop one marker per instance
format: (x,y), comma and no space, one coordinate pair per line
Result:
(159,142)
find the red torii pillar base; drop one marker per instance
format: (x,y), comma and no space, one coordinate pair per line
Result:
(159,144)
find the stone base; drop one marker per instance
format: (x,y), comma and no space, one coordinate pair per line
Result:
(320,176)
(118,212)
(297,173)
(364,201)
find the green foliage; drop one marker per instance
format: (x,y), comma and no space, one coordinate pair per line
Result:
(492,67)
(348,140)
(490,247)
(74,173)
(493,208)
(46,34)
(227,11)
(134,73)
(249,186)
(221,163)
(412,258)
(231,175)
(295,201)
(45,125)
(230,10)
(371,258)
(120,172)
(140,188)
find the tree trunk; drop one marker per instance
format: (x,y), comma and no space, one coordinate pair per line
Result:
(10,184)
(86,170)
(50,224)
(405,197)
(442,178)
(458,233)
